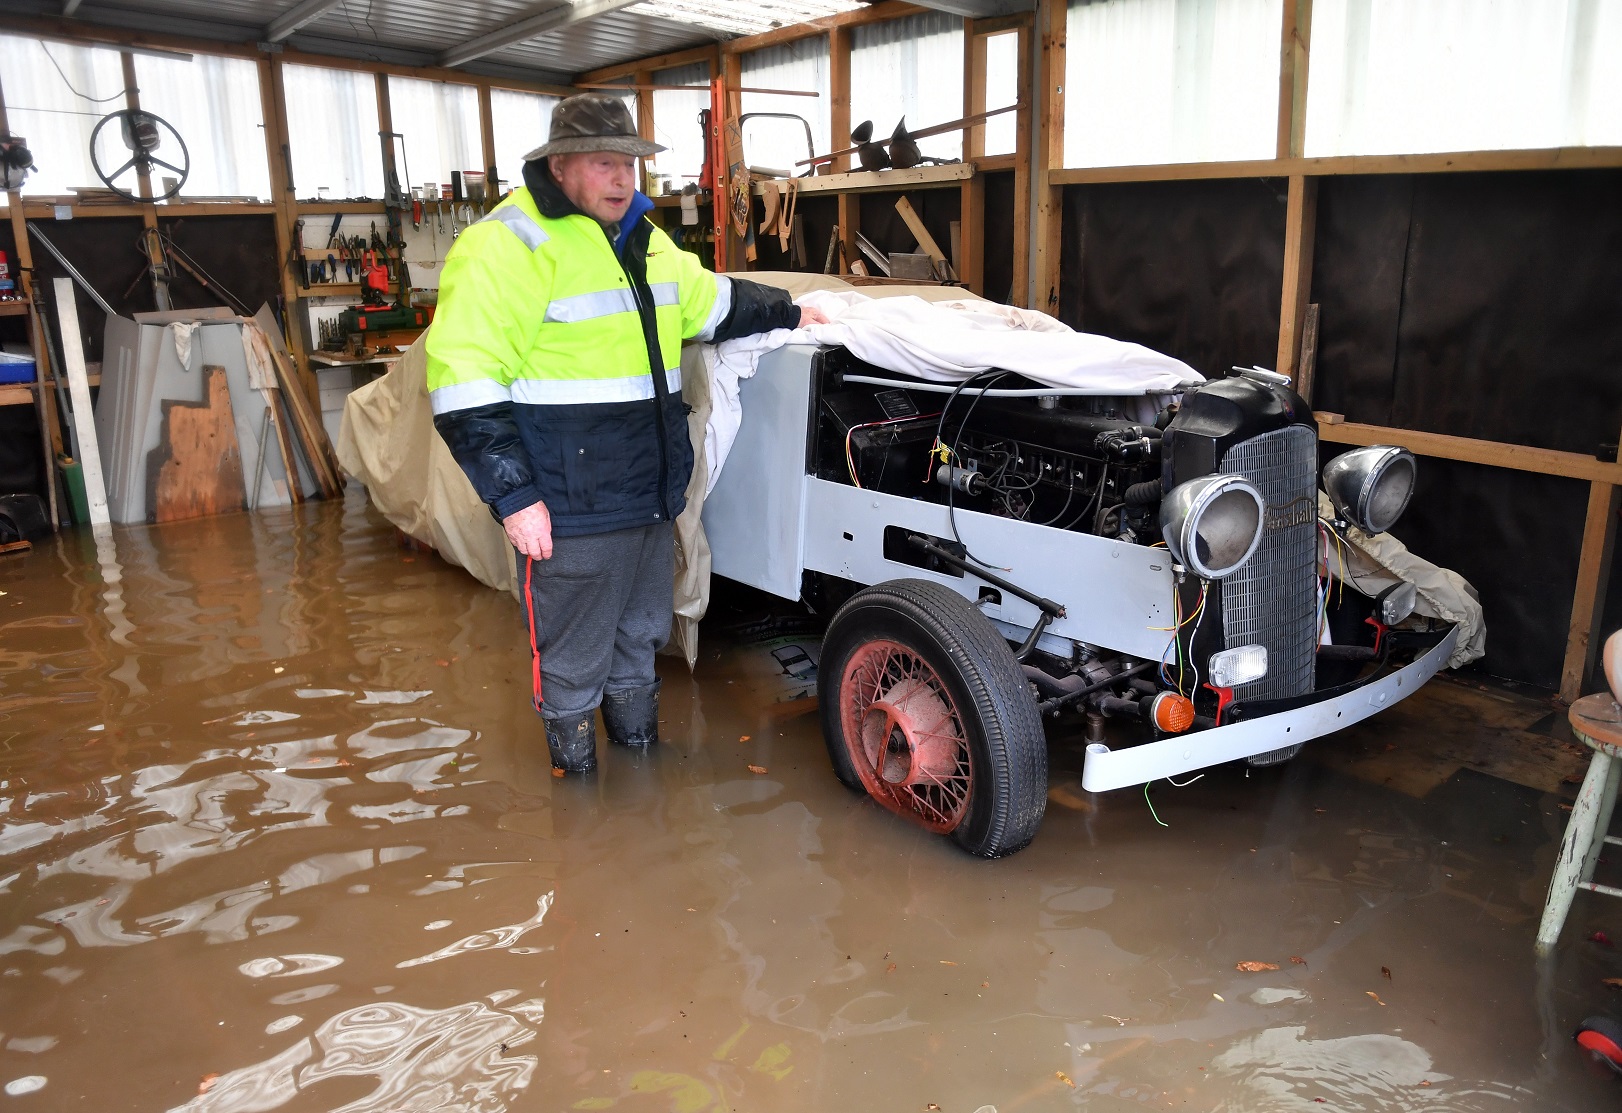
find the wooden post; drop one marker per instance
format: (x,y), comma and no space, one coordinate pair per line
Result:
(968,254)
(487,132)
(1049,156)
(132,101)
(1292,77)
(1593,573)
(50,429)
(974,88)
(284,214)
(1300,224)
(644,104)
(1019,293)
(839,124)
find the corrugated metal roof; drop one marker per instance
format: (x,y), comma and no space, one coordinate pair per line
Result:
(420,31)
(616,37)
(744,17)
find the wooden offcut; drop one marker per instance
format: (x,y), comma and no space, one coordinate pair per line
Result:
(196,470)
(916,224)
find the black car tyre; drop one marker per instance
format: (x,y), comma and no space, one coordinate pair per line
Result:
(925,709)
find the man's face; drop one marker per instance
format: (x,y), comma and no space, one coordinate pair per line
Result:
(600,183)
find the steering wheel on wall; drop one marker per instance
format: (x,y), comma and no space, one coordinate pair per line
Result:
(142,134)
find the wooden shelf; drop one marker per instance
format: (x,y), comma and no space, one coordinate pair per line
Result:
(35,208)
(13,308)
(870,181)
(333,208)
(673,200)
(1544,461)
(16,394)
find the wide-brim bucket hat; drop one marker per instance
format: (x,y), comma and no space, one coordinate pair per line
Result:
(593,122)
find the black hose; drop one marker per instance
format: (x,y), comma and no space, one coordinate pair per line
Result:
(1142,494)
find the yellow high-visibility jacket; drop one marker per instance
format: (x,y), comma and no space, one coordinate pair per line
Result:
(554,358)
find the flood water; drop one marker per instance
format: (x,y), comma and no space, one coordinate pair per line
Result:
(278,832)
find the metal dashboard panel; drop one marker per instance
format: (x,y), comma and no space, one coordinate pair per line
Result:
(1113,593)
(754,519)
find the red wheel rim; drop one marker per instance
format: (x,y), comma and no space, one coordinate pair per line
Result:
(904,735)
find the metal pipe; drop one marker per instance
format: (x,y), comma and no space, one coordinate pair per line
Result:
(1048,607)
(1080,693)
(84,283)
(1036,392)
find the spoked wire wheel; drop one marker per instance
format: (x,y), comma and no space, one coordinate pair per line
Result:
(906,740)
(925,710)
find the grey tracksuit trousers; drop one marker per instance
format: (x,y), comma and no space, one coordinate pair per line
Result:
(597,611)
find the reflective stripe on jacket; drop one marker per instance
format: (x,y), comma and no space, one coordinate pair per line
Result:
(554,358)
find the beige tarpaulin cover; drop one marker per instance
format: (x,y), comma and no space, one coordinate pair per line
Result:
(388,442)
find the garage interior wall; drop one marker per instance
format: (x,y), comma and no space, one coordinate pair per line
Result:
(1473,304)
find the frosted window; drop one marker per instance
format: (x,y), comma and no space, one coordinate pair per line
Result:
(796,65)
(332,130)
(910,68)
(1002,89)
(214,104)
(522,122)
(1156,81)
(55,120)
(675,121)
(1390,77)
(440,123)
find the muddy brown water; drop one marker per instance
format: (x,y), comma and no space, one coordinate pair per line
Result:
(277,832)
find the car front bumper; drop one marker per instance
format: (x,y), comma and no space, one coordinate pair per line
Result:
(1106,768)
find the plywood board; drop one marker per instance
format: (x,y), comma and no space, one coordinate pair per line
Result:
(196,470)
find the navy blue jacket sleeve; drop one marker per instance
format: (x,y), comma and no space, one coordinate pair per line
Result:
(757,308)
(484,441)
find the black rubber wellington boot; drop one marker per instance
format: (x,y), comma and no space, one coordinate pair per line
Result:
(632,716)
(573,742)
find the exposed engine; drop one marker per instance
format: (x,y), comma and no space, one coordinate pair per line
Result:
(1250,611)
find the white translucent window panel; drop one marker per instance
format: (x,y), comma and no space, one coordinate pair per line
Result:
(440,123)
(214,104)
(675,121)
(795,65)
(1157,81)
(910,68)
(55,93)
(332,130)
(1002,89)
(522,122)
(1405,76)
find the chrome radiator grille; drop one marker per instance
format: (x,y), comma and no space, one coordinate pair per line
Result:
(1273,599)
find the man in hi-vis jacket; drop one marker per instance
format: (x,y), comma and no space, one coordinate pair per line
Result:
(554,372)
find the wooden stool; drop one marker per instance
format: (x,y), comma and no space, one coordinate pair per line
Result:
(1596,720)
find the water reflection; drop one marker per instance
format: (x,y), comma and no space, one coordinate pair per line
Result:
(452,1059)
(1281,1068)
(298,748)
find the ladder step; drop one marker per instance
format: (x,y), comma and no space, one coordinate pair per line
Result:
(1596,887)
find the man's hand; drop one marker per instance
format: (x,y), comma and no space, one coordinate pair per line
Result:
(530,531)
(809,316)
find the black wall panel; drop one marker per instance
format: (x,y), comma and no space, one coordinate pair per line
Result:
(998,268)
(1480,305)
(1193,269)
(1486,306)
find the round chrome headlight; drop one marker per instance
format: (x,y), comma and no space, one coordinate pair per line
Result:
(1212,524)
(1370,487)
